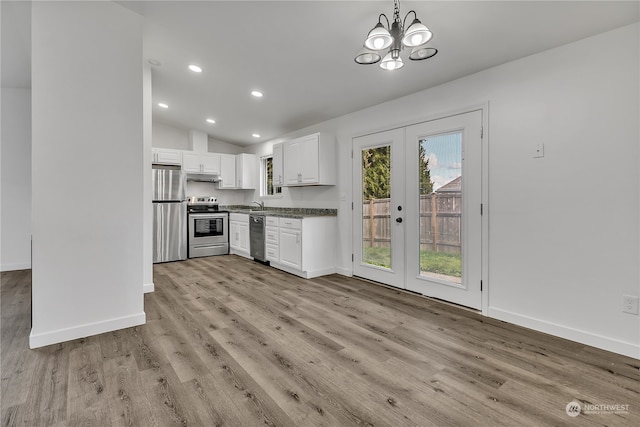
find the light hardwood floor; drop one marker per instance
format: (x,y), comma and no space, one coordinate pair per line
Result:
(230,342)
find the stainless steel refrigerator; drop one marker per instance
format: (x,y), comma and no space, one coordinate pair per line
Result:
(169,214)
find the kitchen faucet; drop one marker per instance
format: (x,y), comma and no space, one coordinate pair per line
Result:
(260,203)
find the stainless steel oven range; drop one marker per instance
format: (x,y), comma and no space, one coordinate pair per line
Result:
(208,229)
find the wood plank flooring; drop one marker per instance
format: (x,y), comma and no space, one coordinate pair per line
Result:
(230,342)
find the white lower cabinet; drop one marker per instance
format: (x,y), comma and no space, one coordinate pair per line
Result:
(302,246)
(239,234)
(291,248)
(272,239)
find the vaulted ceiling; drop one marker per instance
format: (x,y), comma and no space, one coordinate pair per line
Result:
(300,54)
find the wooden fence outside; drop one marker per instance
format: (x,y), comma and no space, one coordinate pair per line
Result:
(440,222)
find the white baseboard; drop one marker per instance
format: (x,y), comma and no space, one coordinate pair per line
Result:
(68,334)
(240,253)
(303,274)
(584,337)
(15,266)
(148,287)
(344,271)
(318,273)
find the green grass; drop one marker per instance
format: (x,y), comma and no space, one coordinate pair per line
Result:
(430,261)
(441,263)
(377,256)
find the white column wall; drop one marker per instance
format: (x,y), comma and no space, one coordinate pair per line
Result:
(563,231)
(147,209)
(87,117)
(15,226)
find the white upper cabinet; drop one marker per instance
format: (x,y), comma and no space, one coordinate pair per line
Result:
(210,163)
(278,174)
(227,171)
(191,162)
(166,156)
(310,160)
(238,172)
(205,163)
(247,171)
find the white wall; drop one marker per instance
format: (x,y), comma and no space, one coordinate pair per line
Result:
(225,197)
(563,230)
(87,116)
(217,146)
(147,209)
(167,136)
(15,226)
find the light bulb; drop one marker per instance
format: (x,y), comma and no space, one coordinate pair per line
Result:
(390,64)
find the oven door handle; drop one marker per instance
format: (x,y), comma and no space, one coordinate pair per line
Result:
(207,215)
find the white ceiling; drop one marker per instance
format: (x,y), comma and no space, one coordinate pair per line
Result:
(300,54)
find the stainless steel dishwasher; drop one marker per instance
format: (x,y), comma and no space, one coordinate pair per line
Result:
(256,237)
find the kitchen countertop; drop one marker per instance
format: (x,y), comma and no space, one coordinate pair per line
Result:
(280,212)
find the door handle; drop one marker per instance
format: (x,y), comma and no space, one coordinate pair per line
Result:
(398,220)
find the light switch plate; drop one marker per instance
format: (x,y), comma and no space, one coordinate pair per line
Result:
(539,151)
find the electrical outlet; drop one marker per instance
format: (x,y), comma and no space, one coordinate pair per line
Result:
(630,304)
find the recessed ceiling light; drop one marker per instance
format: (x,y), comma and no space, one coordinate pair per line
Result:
(162,105)
(211,121)
(195,68)
(256,93)
(256,135)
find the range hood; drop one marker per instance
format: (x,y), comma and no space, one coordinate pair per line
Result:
(199,146)
(202,177)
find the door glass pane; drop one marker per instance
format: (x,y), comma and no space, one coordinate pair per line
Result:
(376,212)
(440,174)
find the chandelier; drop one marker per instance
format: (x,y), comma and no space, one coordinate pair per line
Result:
(395,38)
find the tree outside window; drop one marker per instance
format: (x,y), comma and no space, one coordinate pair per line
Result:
(268,189)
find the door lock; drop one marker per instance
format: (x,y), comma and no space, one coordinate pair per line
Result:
(398,220)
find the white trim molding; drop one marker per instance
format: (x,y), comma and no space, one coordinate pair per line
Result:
(15,266)
(577,335)
(82,331)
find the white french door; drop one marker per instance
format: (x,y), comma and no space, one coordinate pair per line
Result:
(422,231)
(378,202)
(444,227)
